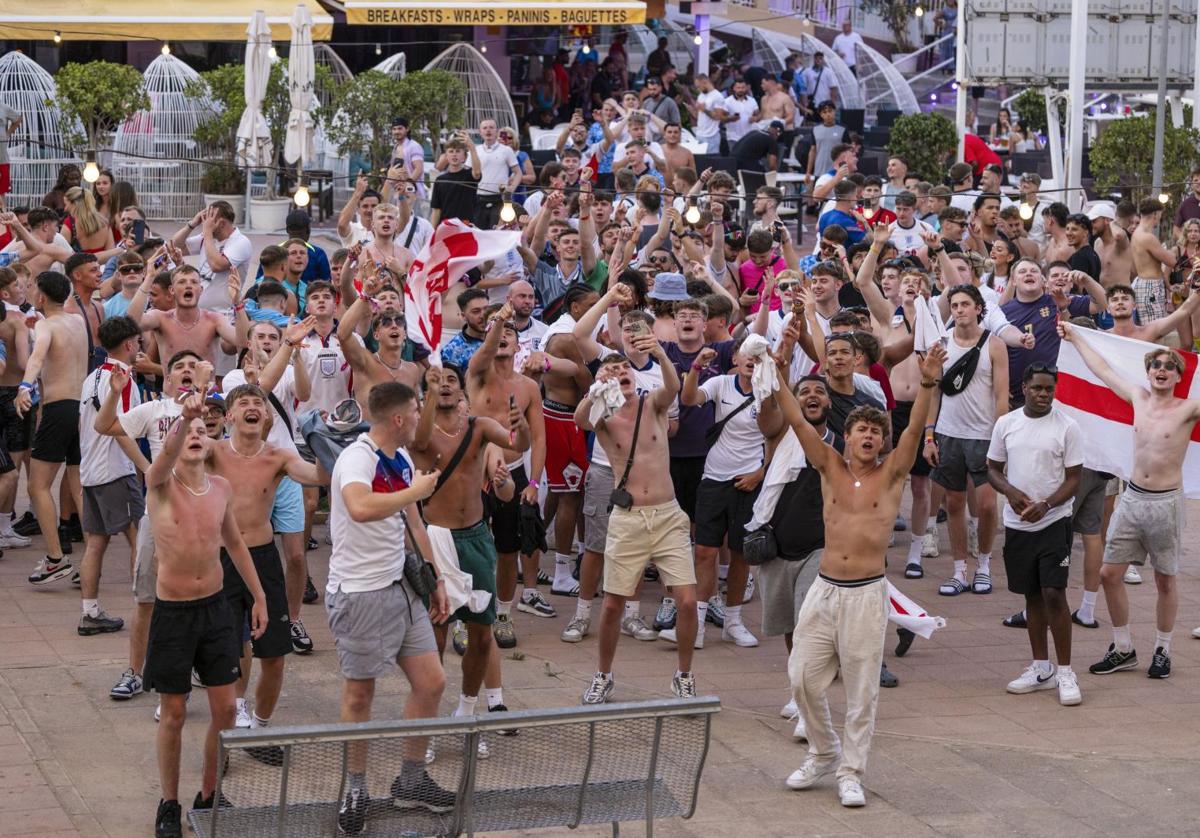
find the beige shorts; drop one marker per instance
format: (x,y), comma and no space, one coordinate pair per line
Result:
(645,534)
(145,571)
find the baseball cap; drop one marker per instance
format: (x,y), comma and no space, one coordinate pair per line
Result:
(1102,209)
(400,122)
(654,80)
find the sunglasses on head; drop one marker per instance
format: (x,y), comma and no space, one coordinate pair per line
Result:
(1169,364)
(131,269)
(1042,367)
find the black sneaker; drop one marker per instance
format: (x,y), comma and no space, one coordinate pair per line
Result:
(906,639)
(64,539)
(886,678)
(27,525)
(941,515)
(75,529)
(312,544)
(1115,661)
(100,624)
(310,590)
(1094,624)
(508,731)
(1160,665)
(352,815)
(301,643)
(206,803)
(167,822)
(422,793)
(267,754)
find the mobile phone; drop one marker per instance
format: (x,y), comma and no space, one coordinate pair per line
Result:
(639,327)
(797,305)
(139,231)
(512,401)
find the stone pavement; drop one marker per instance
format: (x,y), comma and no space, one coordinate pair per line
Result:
(953,753)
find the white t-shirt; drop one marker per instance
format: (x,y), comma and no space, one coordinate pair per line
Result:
(420,230)
(1036,453)
(357,234)
(846,46)
(740,447)
(510,263)
(367,555)
(908,240)
(706,126)
(802,365)
(238,250)
(411,153)
(285,393)
(101,458)
(328,373)
(495,167)
(651,148)
(743,109)
(529,341)
(820,84)
(150,421)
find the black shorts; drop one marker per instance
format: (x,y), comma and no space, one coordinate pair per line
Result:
(17,430)
(1036,560)
(505,515)
(722,513)
(900,415)
(191,634)
(685,476)
(276,640)
(57,437)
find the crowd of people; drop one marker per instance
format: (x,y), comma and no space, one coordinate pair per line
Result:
(659,386)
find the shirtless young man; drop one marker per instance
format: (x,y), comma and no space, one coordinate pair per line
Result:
(41,252)
(1149,259)
(674,153)
(59,358)
(254,468)
(193,626)
(646,523)
(17,430)
(187,326)
(1149,519)
(457,505)
(389,329)
(1112,246)
(1122,302)
(492,386)
(845,613)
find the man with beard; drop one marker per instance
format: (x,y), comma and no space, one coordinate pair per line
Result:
(187,326)
(472,305)
(389,329)
(448,437)
(530,331)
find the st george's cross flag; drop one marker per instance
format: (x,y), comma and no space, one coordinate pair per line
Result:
(454,248)
(1105,419)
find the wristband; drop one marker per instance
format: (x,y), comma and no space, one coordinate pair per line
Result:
(239,306)
(614,305)
(534,484)
(939,250)
(25,385)
(696,367)
(930,427)
(928,384)
(547,367)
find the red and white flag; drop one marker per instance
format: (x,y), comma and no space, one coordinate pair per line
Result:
(454,248)
(1107,420)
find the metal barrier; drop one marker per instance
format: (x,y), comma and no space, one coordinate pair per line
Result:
(563,767)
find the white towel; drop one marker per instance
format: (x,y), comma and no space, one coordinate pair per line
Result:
(458,581)
(928,328)
(907,614)
(765,379)
(607,399)
(785,467)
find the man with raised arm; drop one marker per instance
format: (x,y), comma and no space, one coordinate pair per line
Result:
(389,329)
(187,325)
(1149,519)
(192,626)
(844,617)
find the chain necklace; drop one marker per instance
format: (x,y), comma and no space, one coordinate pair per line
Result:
(391,370)
(262,443)
(190,490)
(454,432)
(858,480)
(185,326)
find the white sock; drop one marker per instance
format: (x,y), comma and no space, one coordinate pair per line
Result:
(466,705)
(931,524)
(1122,638)
(1065,669)
(6,527)
(960,570)
(562,569)
(583,608)
(733,614)
(722,572)
(1043,666)
(985,563)
(91,607)
(494,697)
(701,613)
(241,704)
(633,608)
(914,550)
(1163,639)
(1087,608)
(258,721)
(973,522)
(503,609)
(528,593)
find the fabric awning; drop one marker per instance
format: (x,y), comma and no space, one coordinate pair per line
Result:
(495,12)
(155,20)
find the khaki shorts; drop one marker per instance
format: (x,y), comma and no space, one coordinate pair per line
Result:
(645,534)
(1147,524)
(145,570)
(783,584)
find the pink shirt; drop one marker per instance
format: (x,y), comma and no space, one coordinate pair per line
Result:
(750,277)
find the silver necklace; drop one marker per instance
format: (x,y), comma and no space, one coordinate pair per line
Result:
(858,480)
(261,444)
(190,490)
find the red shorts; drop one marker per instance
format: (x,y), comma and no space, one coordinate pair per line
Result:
(5,178)
(566,449)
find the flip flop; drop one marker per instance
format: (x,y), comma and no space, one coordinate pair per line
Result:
(1094,624)
(912,570)
(981,583)
(952,587)
(1016,621)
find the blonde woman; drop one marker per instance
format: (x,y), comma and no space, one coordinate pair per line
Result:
(85,228)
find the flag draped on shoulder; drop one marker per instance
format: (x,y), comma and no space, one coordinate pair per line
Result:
(454,249)
(1104,417)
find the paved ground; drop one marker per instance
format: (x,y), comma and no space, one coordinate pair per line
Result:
(953,754)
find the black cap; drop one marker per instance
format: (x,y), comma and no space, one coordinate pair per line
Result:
(400,122)
(297,218)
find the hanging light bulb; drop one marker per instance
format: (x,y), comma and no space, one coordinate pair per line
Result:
(698,40)
(483,48)
(507,214)
(301,198)
(1164,198)
(58,37)
(919,12)
(692,216)
(166,48)
(1026,212)
(273,53)
(379,49)
(91,172)
(587,48)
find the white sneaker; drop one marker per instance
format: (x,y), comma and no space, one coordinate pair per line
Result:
(738,634)
(1032,680)
(1132,577)
(806,775)
(158,708)
(972,538)
(481,748)
(1196,632)
(576,630)
(800,733)
(929,544)
(850,791)
(790,709)
(1068,689)
(636,628)
(11,539)
(749,593)
(242,717)
(430,753)
(670,636)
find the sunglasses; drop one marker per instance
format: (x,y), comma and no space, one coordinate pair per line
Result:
(1049,369)
(131,269)
(787,286)
(506,136)
(390,320)
(659,260)
(1158,364)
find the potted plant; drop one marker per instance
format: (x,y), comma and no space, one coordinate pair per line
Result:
(896,14)
(222,180)
(925,140)
(1123,157)
(98,96)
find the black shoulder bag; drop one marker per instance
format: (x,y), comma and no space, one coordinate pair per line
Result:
(714,433)
(620,497)
(960,373)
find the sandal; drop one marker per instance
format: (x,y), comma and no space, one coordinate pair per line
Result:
(981,583)
(912,570)
(1016,621)
(952,587)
